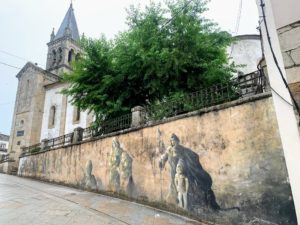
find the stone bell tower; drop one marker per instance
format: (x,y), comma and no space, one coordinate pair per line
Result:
(63,47)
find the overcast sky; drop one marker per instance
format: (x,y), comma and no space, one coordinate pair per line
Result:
(26,26)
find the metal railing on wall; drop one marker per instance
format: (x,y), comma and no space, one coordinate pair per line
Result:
(5,158)
(57,142)
(240,87)
(109,126)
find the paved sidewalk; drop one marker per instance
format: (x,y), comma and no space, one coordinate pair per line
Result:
(27,202)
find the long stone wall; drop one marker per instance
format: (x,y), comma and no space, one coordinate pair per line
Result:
(225,165)
(4,167)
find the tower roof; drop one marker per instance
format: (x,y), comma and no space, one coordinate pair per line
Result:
(69,26)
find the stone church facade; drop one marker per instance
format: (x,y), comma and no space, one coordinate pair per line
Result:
(41,111)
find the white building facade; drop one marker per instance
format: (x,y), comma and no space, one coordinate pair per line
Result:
(60,116)
(4,140)
(246,52)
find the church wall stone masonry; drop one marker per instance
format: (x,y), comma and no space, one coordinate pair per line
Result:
(224,166)
(41,111)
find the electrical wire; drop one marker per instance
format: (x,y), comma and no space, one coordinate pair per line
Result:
(19,57)
(6,103)
(279,95)
(10,54)
(262,5)
(5,64)
(238,19)
(171,19)
(237,25)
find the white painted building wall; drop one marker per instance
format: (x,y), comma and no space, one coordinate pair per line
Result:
(277,10)
(70,123)
(4,140)
(53,98)
(3,144)
(246,51)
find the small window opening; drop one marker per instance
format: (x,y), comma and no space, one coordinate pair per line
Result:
(71,55)
(52,116)
(60,55)
(53,57)
(76,114)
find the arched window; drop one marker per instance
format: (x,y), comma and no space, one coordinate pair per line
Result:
(21,122)
(53,57)
(76,115)
(60,55)
(77,57)
(71,55)
(52,116)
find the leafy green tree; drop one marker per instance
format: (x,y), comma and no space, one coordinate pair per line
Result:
(166,51)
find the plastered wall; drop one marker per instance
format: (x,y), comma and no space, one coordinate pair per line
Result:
(225,166)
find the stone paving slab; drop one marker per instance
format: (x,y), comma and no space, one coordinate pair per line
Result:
(24,201)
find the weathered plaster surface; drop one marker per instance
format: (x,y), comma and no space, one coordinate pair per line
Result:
(239,148)
(64,121)
(246,51)
(4,167)
(28,112)
(53,98)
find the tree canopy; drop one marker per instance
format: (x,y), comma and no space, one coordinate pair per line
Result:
(166,50)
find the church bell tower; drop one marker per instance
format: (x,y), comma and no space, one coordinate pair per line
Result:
(63,47)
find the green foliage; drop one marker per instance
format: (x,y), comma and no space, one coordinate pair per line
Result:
(180,102)
(35,150)
(167,51)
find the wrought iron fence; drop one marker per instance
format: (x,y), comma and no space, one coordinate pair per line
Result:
(48,144)
(58,142)
(31,149)
(4,158)
(88,133)
(112,125)
(109,126)
(251,84)
(242,86)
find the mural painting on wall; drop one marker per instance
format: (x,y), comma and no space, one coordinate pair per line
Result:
(190,185)
(90,180)
(22,167)
(120,169)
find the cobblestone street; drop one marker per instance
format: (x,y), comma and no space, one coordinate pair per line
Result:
(24,202)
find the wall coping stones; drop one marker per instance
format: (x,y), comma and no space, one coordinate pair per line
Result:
(167,120)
